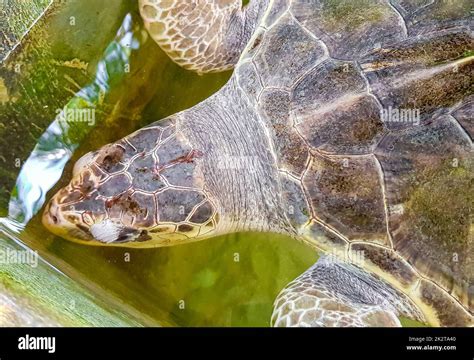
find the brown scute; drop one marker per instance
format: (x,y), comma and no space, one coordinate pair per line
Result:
(110,156)
(161,229)
(428,173)
(429,93)
(296,50)
(69,196)
(202,214)
(427,51)
(184,228)
(290,147)
(114,186)
(423,17)
(143,236)
(327,83)
(348,196)
(388,262)
(441,90)
(350,28)
(406,157)
(436,228)
(449,313)
(441,206)
(353,126)
(88,204)
(175,205)
(364,131)
(127,203)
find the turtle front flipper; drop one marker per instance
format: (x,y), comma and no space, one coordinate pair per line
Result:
(203,36)
(333,293)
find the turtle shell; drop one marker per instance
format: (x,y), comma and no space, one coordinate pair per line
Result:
(369,105)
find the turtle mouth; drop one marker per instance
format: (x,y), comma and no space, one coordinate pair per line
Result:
(55,222)
(71,228)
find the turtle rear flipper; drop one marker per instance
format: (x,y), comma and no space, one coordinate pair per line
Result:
(333,294)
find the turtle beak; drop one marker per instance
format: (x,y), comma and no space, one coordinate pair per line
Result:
(68,227)
(50,215)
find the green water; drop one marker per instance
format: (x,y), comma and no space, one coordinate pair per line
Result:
(227,281)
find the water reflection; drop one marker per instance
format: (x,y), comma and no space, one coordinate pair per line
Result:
(55,147)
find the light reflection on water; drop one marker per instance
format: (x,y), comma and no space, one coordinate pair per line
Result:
(45,165)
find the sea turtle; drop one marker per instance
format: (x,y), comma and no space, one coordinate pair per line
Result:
(347,124)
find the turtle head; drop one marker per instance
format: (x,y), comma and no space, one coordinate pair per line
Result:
(143,191)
